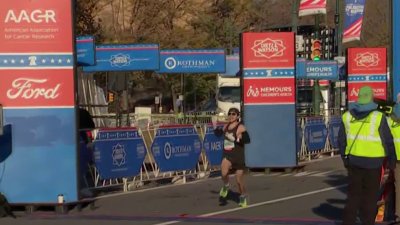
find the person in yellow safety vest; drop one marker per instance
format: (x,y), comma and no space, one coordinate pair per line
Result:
(394,125)
(365,141)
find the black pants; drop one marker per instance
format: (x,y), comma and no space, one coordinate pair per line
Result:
(362,195)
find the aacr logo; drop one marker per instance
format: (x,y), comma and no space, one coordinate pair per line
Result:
(36,16)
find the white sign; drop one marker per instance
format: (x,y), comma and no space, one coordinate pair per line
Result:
(299,43)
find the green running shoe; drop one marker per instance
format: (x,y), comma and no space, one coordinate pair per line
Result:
(224,191)
(242,201)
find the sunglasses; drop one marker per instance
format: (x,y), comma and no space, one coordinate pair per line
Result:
(232,114)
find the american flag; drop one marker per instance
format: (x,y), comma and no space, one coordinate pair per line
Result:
(312,7)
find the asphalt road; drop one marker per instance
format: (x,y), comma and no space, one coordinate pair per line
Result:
(313,196)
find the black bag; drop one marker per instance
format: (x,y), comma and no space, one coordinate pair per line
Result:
(5,208)
(346,161)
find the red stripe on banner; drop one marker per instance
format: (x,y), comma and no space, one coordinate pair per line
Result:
(379,89)
(36,26)
(312,4)
(269,91)
(268,50)
(37,88)
(354,28)
(366,61)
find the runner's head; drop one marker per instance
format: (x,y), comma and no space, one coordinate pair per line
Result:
(233,114)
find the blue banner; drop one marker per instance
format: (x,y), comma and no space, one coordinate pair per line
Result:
(213,146)
(132,57)
(353,19)
(192,61)
(333,131)
(85,51)
(119,153)
(319,70)
(300,68)
(232,66)
(40,154)
(176,148)
(315,134)
(396,48)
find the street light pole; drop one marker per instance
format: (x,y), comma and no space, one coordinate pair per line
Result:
(295,9)
(338,29)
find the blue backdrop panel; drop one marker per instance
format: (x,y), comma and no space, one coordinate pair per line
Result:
(192,61)
(132,57)
(301,68)
(232,65)
(6,144)
(396,48)
(85,51)
(43,160)
(176,148)
(315,133)
(213,146)
(333,130)
(119,153)
(271,123)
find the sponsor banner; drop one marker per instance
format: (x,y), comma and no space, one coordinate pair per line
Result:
(315,133)
(333,130)
(269,91)
(176,148)
(36,61)
(192,61)
(131,57)
(35,88)
(268,65)
(44,156)
(85,51)
(365,61)
(213,145)
(232,65)
(396,49)
(268,50)
(312,7)
(353,19)
(300,68)
(327,70)
(378,87)
(272,129)
(367,66)
(36,26)
(118,153)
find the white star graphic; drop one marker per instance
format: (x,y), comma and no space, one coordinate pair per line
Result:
(22,61)
(68,61)
(52,60)
(43,61)
(5,61)
(12,61)
(59,61)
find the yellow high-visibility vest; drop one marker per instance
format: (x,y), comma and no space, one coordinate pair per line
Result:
(395,130)
(368,142)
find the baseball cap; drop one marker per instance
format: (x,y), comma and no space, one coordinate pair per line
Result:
(366,95)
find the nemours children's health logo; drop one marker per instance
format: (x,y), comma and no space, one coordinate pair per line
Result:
(268,48)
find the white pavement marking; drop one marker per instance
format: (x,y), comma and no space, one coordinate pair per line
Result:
(323,174)
(305,173)
(261,203)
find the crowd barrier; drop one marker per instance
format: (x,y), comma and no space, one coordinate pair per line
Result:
(173,147)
